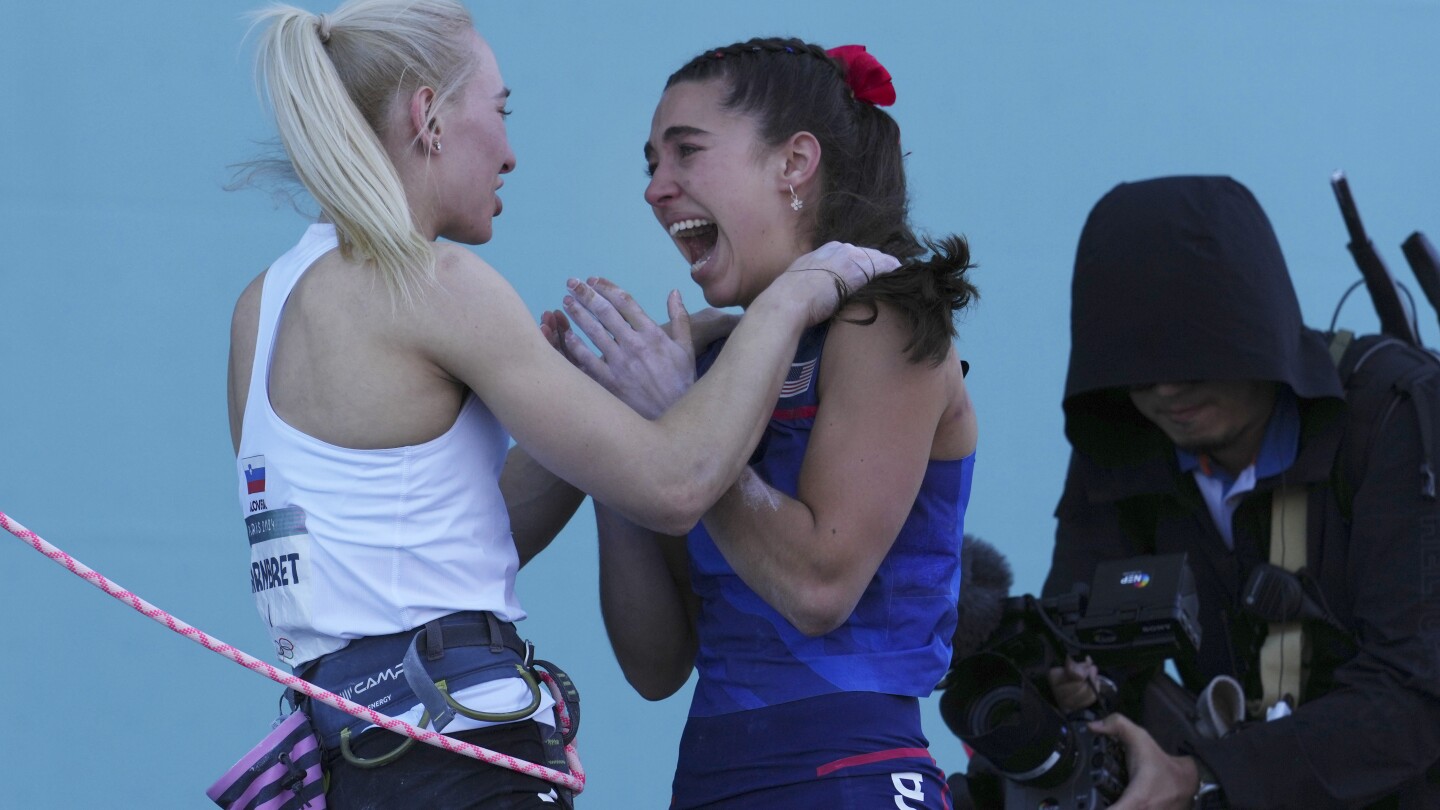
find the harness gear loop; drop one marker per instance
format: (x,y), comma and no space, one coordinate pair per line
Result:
(496,717)
(567,699)
(383,759)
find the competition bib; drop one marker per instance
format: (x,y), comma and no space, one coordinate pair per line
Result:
(280,582)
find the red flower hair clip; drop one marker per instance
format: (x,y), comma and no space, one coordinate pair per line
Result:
(868,79)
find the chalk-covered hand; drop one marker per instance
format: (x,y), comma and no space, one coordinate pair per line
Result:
(645,366)
(826,276)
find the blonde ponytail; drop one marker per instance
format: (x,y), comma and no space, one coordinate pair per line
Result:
(331,80)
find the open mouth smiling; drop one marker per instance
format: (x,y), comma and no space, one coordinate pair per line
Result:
(696,238)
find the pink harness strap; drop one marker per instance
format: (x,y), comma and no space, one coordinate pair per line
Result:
(574,782)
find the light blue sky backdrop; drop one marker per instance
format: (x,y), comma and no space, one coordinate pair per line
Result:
(120,259)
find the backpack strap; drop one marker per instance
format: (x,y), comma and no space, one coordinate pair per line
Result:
(1382,374)
(1284,654)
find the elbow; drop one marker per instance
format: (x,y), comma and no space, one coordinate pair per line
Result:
(821,612)
(658,680)
(653,692)
(675,506)
(817,624)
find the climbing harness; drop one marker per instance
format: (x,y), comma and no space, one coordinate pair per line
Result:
(559,689)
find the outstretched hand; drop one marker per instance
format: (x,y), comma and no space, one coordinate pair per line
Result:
(647,367)
(1158,781)
(832,272)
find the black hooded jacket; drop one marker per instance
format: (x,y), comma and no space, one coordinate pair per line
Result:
(1180,279)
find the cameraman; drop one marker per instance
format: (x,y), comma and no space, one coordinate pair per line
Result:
(1194,393)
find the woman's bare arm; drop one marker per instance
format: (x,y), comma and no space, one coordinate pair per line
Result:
(662,474)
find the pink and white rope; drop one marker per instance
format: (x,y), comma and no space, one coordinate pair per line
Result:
(575,782)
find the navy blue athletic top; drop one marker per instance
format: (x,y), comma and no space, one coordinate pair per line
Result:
(898,639)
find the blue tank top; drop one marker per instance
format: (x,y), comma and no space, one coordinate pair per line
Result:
(898,639)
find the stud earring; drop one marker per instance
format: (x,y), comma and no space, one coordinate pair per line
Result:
(795,202)
(435,145)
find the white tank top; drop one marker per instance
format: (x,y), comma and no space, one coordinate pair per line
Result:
(349,543)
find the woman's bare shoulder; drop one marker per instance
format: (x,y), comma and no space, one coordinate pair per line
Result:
(472,312)
(453,260)
(244,325)
(247,308)
(869,328)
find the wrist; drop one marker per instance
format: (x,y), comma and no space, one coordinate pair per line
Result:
(788,298)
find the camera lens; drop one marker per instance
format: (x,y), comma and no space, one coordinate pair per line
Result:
(998,708)
(999,713)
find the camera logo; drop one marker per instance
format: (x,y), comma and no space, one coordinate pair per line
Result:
(1135,579)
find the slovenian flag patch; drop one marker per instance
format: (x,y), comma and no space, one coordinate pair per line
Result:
(254,474)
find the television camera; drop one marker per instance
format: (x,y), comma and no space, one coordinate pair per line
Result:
(1137,612)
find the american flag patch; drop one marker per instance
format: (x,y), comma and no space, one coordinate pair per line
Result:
(798,380)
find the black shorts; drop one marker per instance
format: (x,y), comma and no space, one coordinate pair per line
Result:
(436,779)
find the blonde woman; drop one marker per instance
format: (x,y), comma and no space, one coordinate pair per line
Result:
(377,375)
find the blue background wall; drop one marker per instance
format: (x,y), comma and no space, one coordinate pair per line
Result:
(121,256)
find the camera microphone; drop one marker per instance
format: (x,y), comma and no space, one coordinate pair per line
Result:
(985,580)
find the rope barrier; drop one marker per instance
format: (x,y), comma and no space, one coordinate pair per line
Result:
(574,781)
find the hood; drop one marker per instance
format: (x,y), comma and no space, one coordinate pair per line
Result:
(1177,279)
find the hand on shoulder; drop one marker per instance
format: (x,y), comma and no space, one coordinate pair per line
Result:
(822,278)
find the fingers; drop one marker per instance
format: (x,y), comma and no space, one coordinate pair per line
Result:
(553,327)
(583,306)
(1083,670)
(579,354)
(1074,685)
(869,262)
(624,305)
(679,321)
(1123,729)
(607,314)
(865,264)
(853,266)
(1112,725)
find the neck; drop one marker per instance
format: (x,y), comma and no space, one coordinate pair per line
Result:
(1234,460)
(769,274)
(1242,451)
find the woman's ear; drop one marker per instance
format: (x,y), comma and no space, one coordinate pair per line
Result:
(424,124)
(801,154)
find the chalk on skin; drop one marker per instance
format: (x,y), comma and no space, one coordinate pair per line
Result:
(756,492)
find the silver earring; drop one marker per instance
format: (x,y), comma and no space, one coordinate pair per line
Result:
(795,202)
(435,144)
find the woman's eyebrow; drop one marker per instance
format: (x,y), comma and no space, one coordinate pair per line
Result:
(671,133)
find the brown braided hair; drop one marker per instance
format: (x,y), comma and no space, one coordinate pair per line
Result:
(791,86)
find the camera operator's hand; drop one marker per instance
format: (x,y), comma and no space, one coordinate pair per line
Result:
(1158,781)
(1075,686)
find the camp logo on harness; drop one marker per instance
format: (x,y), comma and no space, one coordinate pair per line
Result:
(798,380)
(254,474)
(1135,579)
(393,676)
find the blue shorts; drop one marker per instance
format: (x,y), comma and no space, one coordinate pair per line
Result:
(847,750)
